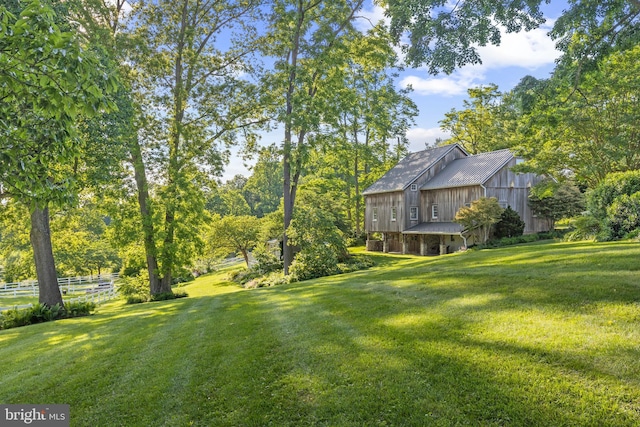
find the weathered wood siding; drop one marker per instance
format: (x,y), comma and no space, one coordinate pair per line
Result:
(403,201)
(512,189)
(449,200)
(384,202)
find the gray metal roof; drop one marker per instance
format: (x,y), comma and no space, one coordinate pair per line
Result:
(435,228)
(407,170)
(472,170)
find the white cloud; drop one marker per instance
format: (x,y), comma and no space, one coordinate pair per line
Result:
(452,85)
(419,138)
(528,50)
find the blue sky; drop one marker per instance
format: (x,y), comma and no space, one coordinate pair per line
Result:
(528,53)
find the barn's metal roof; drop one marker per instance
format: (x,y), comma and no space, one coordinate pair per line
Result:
(408,170)
(471,170)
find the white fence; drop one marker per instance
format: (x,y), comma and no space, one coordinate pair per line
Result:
(67,285)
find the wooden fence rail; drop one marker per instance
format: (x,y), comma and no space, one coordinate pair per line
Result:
(70,285)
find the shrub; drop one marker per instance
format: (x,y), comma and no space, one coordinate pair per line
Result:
(266,260)
(479,217)
(135,288)
(623,216)
(585,227)
(527,238)
(271,279)
(166,296)
(40,313)
(314,261)
(78,309)
(613,186)
(510,224)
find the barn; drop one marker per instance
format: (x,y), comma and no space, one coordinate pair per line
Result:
(411,209)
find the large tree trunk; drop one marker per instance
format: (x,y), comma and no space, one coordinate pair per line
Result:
(287,251)
(145,213)
(43,255)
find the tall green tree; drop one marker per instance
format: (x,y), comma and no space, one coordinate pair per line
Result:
(556,200)
(477,126)
(308,39)
(263,189)
(47,81)
(373,117)
(591,129)
(195,101)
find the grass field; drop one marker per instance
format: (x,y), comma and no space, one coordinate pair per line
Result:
(545,334)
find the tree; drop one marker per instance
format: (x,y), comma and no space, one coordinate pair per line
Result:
(591,129)
(307,38)
(373,116)
(80,242)
(263,190)
(16,254)
(318,231)
(47,81)
(478,218)
(477,128)
(237,234)
(194,99)
(444,35)
(554,201)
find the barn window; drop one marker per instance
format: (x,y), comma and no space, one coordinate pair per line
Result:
(434,211)
(414,187)
(394,214)
(375,214)
(413,213)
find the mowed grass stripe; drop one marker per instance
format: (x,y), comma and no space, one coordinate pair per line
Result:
(533,335)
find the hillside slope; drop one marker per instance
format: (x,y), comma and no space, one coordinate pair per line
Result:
(544,334)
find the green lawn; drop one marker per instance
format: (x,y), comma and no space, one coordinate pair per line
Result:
(543,334)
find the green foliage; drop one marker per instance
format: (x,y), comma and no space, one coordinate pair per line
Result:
(47,82)
(317,230)
(445,36)
(584,227)
(263,189)
(623,216)
(233,234)
(166,296)
(478,218)
(510,224)
(554,201)
(267,258)
(616,184)
(585,120)
(477,127)
(40,313)
(77,309)
(135,288)
(314,261)
(526,238)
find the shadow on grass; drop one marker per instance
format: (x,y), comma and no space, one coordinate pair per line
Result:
(452,340)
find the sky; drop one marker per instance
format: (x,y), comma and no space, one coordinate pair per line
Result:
(521,54)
